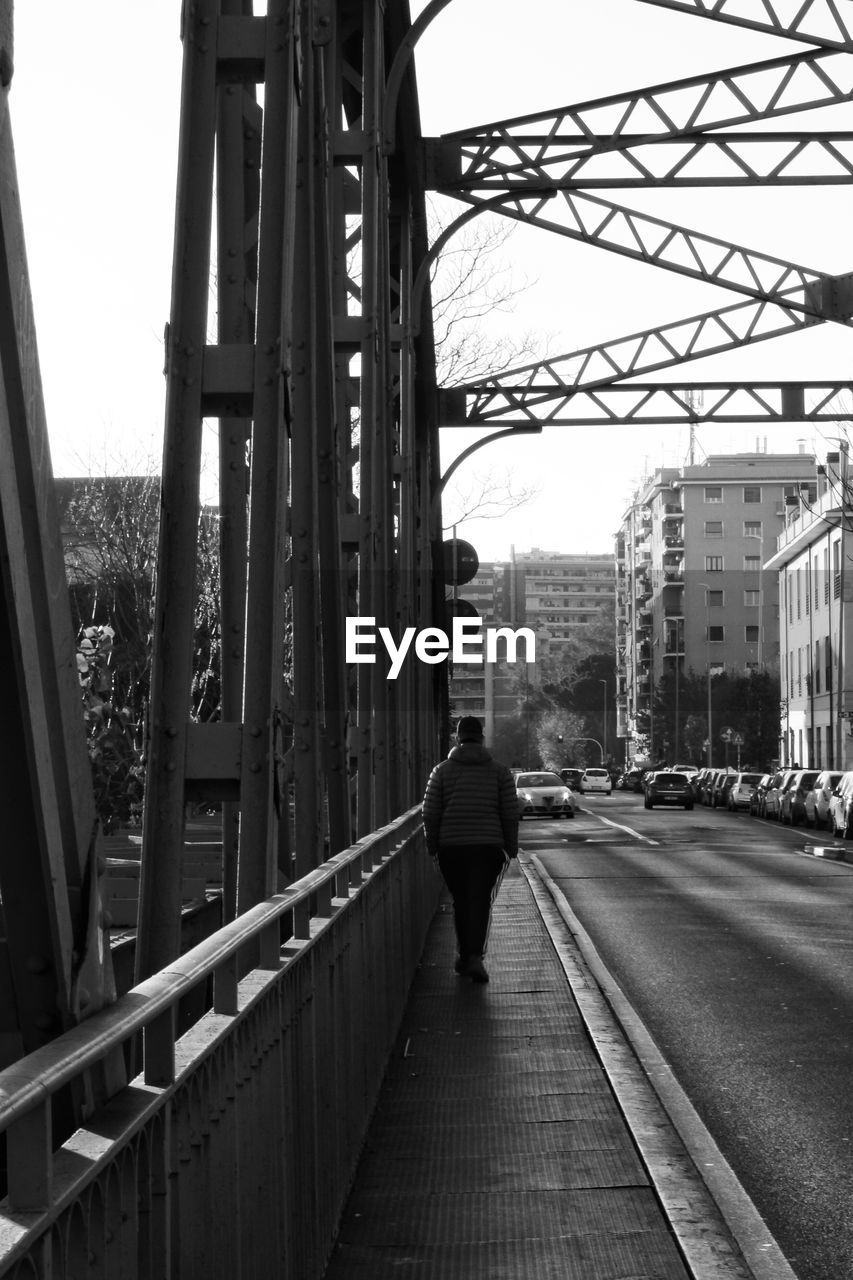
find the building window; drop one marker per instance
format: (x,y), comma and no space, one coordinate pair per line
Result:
(816,578)
(752,529)
(713,528)
(817,666)
(717,635)
(836,569)
(827,658)
(752,564)
(713,564)
(713,493)
(716,599)
(752,493)
(752,599)
(751,635)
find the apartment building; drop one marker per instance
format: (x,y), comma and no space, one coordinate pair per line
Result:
(692,593)
(559,595)
(813,562)
(555,594)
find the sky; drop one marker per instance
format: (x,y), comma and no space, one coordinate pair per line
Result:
(95,110)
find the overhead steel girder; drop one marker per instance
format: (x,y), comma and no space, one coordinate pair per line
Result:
(706,160)
(815,24)
(644,238)
(661,347)
(647,403)
(549,143)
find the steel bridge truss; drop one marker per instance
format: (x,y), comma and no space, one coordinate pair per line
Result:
(697,131)
(326,416)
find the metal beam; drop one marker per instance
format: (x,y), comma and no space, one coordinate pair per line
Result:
(646,404)
(679,160)
(644,238)
(542,144)
(823,24)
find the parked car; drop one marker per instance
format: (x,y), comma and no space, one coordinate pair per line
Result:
(595,780)
(778,786)
(841,806)
(707,786)
(742,790)
(792,807)
(817,800)
(572,778)
(697,783)
(544,795)
(690,769)
(756,800)
(664,787)
(722,785)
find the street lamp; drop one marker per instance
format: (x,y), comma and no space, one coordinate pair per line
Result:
(604,720)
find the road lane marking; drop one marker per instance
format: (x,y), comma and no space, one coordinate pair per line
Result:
(630,830)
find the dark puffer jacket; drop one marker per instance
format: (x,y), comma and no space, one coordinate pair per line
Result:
(471,799)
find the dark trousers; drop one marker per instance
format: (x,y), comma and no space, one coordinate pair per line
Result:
(473,874)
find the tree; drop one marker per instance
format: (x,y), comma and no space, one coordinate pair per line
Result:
(110,527)
(469,282)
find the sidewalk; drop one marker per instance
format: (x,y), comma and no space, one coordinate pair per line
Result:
(498,1150)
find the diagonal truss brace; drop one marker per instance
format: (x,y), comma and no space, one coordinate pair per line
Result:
(536,144)
(644,238)
(647,403)
(821,24)
(660,347)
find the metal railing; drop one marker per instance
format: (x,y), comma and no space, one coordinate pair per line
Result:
(232,1152)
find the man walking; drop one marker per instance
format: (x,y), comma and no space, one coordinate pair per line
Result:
(470,816)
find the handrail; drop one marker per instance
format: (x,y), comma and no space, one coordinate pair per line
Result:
(31,1082)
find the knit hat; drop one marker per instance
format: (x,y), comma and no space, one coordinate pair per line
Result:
(469,729)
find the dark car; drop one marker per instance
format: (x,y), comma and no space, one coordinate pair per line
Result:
(723,784)
(756,800)
(792,808)
(572,778)
(668,788)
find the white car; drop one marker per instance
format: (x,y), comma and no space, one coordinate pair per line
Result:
(596,780)
(544,795)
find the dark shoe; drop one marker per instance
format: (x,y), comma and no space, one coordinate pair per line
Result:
(476,970)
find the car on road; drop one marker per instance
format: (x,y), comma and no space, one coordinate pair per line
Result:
(690,769)
(544,795)
(722,785)
(756,800)
(841,806)
(572,778)
(742,790)
(595,780)
(817,800)
(777,787)
(664,787)
(792,807)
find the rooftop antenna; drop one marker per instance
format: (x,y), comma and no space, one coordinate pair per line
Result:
(695,399)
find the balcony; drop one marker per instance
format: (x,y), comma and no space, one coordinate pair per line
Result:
(673,511)
(673,543)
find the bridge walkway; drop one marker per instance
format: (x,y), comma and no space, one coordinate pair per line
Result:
(516,1135)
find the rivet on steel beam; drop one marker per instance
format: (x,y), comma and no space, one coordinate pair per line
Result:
(36,964)
(170,767)
(301,533)
(254,768)
(188,382)
(171,732)
(305,721)
(255,731)
(236,628)
(236,653)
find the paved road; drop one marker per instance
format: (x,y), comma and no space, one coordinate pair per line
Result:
(737,953)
